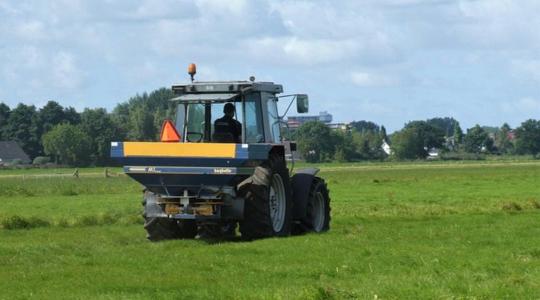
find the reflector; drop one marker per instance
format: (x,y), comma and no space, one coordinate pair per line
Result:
(169,133)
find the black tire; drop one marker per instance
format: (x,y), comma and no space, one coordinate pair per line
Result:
(158,229)
(317,218)
(257,222)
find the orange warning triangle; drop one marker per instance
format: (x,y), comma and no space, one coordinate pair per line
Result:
(169,133)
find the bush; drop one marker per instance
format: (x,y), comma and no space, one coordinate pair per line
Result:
(18,222)
(462,156)
(41,160)
(87,221)
(16,162)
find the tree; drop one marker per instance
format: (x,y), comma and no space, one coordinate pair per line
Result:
(71,116)
(120,118)
(407,144)
(99,127)
(446,125)
(21,127)
(384,136)
(141,117)
(415,140)
(458,135)
(68,143)
(502,139)
(368,144)
(142,127)
(528,137)
(315,141)
(49,116)
(364,126)
(344,146)
(477,140)
(4,116)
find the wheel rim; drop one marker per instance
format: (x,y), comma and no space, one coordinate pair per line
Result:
(318,212)
(278,203)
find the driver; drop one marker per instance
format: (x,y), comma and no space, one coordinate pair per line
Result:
(227,129)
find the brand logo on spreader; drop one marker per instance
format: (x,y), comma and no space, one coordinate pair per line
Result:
(223,170)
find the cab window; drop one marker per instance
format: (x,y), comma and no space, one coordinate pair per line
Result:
(252,120)
(195,123)
(273,119)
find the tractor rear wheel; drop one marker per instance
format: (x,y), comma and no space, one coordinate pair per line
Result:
(318,207)
(268,207)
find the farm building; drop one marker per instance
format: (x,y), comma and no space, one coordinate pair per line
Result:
(10,151)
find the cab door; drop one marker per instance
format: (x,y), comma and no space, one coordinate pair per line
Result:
(272,126)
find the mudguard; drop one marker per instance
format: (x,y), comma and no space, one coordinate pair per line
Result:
(301,183)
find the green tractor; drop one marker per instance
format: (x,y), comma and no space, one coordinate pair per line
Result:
(212,172)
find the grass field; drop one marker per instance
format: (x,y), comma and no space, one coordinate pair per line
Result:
(430,230)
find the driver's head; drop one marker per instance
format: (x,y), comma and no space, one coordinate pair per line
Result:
(228,109)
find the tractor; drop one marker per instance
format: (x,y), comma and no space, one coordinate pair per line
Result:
(204,182)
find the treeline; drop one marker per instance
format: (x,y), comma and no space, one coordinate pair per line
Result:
(437,137)
(65,136)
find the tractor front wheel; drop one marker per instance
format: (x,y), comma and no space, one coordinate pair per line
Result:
(318,207)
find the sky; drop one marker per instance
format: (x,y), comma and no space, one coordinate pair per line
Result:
(387,61)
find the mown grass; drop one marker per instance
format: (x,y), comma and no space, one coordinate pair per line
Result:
(5,172)
(398,231)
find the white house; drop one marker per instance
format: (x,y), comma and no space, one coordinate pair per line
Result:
(386,148)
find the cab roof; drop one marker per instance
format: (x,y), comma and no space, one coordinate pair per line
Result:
(226,87)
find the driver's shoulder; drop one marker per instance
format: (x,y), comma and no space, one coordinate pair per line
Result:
(222,119)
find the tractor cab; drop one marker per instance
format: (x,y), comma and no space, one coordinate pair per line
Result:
(201,104)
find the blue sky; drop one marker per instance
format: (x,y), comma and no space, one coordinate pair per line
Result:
(388,61)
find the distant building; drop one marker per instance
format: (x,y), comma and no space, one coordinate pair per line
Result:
(339,126)
(296,121)
(10,151)
(433,153)
(386,148)
(511,135)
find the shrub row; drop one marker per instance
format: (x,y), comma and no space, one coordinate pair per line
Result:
(20,222)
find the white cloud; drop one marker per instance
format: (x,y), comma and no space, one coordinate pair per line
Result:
(368,79)
(151,10)
(526,69)
(441,52)
(65,72)
(32,30)
(499,24)
(316,51)
(228,9)
(521,109)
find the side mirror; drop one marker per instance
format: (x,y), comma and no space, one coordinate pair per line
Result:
(302,103)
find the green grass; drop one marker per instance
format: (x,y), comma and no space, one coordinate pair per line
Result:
(32,171)
(446,230)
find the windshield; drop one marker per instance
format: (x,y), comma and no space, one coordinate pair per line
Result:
(207,122)
(238,121)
